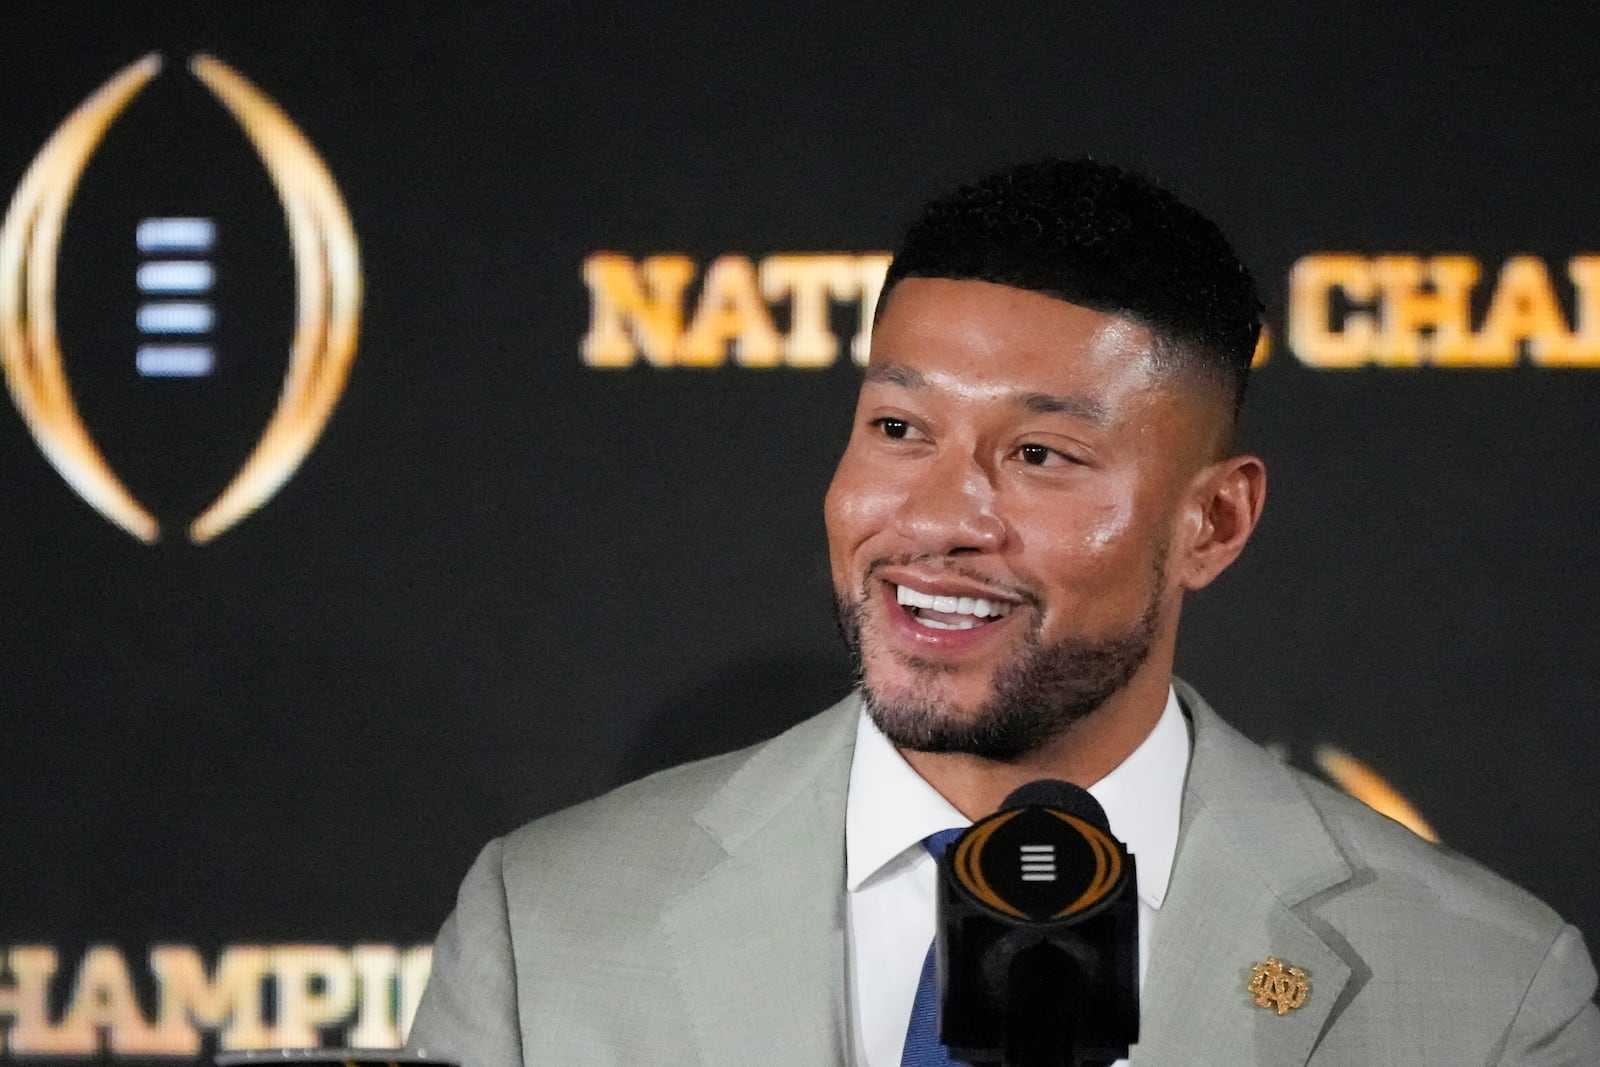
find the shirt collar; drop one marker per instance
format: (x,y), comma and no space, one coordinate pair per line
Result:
(890,808)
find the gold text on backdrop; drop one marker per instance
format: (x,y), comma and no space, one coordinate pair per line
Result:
(368,994)
(1348,311)
(1344,311)
(637,309)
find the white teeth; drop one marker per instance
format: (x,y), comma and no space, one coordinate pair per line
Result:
(960,624)
(951,605)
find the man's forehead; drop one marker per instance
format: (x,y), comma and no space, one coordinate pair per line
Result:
(1001,321)
(1080,405)
(985,340)
(1005,305)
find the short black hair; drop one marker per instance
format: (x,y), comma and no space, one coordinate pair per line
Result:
(1104,238)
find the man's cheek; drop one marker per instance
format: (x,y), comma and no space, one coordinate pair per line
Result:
(864,495)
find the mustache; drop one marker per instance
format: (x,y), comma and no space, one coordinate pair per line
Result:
(949,565)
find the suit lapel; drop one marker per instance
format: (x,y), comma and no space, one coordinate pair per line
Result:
(1252,856)
(759,942)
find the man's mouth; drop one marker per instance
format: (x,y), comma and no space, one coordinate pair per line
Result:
(938,612)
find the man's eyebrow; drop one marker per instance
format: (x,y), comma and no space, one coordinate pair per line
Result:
(895,374)
(1079,407)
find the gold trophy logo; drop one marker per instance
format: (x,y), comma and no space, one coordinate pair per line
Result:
(327,266)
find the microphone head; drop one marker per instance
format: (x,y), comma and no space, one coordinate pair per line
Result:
(1062,796)
(1038,934)
(1048,855)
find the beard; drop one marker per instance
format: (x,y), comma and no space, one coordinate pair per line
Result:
(1036,695)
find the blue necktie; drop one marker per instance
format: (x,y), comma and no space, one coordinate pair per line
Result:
(923,1048)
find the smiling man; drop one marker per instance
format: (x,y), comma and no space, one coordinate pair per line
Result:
(1030,487)
(1041,466)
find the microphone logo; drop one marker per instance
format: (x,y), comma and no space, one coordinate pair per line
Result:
(1039,864)
(327,297)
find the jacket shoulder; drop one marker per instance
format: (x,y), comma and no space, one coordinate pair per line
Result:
(664,827)
(1415,911)
(1398,862)
(1449,961)
(1390,870)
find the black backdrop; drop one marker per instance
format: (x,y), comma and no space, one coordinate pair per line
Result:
(504,581)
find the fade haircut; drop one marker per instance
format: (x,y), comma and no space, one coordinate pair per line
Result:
(1103,238)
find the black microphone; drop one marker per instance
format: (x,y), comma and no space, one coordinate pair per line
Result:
(1038,935)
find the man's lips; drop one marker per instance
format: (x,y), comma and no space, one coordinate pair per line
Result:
(946,583)
(944,614)
(944,611)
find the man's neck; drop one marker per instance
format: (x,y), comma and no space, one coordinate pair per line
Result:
(1085,753)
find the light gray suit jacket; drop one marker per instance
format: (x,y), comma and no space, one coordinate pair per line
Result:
(698,917)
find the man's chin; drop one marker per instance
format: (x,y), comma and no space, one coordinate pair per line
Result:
(1027,701)
(916,722)
(958,692)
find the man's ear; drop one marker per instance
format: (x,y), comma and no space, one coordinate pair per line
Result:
(1223,511)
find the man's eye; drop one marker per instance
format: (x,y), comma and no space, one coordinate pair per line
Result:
(899,429)
(1040,456)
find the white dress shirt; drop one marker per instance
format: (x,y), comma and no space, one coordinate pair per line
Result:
(891,879)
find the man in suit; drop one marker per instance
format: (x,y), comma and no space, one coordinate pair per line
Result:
(1041,466)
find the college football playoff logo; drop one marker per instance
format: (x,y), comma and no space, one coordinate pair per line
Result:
(327,297)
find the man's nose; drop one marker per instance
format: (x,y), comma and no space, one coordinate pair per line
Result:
(952,508)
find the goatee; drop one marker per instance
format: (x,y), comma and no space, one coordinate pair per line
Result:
(1038,694)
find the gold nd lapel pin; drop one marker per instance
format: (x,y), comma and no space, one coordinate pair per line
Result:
(1274,985)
